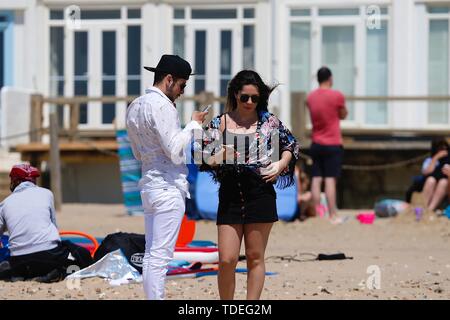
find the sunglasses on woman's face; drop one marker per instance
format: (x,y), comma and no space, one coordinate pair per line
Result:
(244,98)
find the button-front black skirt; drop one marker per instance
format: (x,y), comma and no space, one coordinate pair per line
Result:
(245,198)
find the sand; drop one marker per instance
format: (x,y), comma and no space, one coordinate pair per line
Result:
(411,258)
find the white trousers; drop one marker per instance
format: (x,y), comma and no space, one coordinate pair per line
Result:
(164,211)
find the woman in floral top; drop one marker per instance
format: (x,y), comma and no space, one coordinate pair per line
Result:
(247,150)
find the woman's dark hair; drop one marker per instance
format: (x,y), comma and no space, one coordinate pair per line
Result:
(246,77)
(438,144)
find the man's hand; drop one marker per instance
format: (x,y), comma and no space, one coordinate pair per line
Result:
(199,116)
(226,152)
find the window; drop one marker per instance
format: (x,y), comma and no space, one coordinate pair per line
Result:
(377,73)
(56,14)
(300,12)
(249,13)
(134,60)
(200,61)
(214,14)
(108,74)
(249,47)
(2,59)
(81,69)
(435,9)
(96,14)
(178,41)
(300,56)
(178,13)
(438,66)
(226,61)
(100,14)
(339,12)
(356,55)
(134,13)
(57,66)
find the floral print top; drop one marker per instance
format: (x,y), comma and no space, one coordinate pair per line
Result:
(271,139)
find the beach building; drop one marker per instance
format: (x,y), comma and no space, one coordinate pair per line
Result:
(54,49)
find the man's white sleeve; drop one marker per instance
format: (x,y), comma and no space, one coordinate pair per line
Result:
(173,140)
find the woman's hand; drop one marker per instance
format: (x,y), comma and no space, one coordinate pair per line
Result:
(272,171)
(446,170)
(441,154)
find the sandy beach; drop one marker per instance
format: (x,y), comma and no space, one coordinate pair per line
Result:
(411,259)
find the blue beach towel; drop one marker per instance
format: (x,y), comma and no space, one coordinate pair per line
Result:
(130,174)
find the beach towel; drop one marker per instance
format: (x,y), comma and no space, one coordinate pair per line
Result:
(130,174)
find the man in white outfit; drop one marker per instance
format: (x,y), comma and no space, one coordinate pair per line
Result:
(159,143)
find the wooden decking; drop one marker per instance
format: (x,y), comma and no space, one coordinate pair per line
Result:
(71,151)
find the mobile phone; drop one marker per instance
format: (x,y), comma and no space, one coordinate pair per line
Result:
(207,108)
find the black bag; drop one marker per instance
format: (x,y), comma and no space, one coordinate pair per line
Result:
(131,244)
(82,255)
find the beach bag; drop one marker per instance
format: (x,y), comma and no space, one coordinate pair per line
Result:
(82,255)
(389,208)
(131,244)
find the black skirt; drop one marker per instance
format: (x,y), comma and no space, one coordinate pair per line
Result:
(244,197)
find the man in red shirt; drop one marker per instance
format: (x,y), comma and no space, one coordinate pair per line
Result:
(327,108)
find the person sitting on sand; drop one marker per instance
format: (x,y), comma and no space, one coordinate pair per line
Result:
(446,171)
(36,249)
(436,181)
(304,196)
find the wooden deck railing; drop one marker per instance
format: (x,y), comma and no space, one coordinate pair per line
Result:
(37,128)
(300,114)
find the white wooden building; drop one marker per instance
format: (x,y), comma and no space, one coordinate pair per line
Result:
(98,48)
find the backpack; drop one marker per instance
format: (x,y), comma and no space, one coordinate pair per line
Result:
(131,244)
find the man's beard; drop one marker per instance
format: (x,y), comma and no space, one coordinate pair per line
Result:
(170,93)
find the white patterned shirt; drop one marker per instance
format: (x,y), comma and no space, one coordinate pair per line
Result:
(158,141)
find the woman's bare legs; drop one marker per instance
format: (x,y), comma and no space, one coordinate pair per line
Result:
(428,189)
(229,240)
(256,236)
(438,195)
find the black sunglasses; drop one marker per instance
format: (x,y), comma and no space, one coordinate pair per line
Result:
(244,98)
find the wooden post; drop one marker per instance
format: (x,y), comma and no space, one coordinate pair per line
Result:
(298,115)
(55,162)
(209,98)
(74,120)
(204,98)
(37,106)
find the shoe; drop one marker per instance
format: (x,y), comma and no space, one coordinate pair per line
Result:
(53,276)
